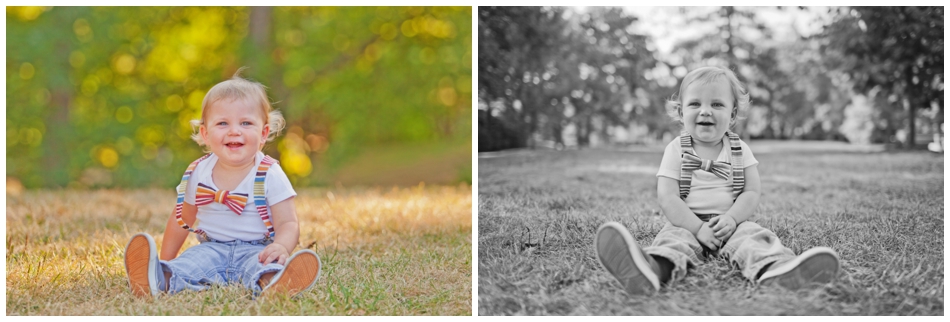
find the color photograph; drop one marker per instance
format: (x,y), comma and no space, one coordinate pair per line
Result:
(239,161)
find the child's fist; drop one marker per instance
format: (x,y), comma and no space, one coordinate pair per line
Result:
(273,252)
(706,237)
(723,226)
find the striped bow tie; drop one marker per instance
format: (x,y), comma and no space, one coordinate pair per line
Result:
(691,161)
(235,201)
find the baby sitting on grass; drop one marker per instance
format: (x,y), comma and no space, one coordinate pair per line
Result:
(708,187)
(243,200)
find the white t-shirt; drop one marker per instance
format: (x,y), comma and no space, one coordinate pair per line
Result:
(708,194)
(218,221)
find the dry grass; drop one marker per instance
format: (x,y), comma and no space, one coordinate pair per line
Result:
(882,212)
(399,251)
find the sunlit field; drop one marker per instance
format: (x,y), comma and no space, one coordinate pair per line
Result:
(883,213)
(385,251)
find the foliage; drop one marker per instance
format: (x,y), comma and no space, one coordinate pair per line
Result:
(585,77)
(786,80)
(895,51)
(547,69)
(402,251)
(882,213)
(105,99)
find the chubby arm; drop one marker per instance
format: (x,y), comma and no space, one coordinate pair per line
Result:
(745,205)
(743,208)
(286,232)
(675,209)
(174,235)
(681,216)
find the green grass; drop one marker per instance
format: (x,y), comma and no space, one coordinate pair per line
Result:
(882,212)
(399,251)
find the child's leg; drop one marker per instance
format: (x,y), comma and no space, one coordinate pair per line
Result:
(618,253)
(299,274)
(753,248)
(197,268)
(250,267)
(142,266)
(674,249)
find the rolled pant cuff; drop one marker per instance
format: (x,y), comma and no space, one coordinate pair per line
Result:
(752,271)
(253,281)
(680,261)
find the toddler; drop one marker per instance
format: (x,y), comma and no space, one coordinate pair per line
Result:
(243,200)
(708,187)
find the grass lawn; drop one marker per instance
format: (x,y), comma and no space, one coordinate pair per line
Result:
(394,251)
(882,212)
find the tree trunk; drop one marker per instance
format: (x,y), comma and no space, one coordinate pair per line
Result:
(526,128)
(259,26)
(557,131)
(58,132)
(912,128)
(769,132)
(583,131)
(58,129)
(259,56)
(730,55)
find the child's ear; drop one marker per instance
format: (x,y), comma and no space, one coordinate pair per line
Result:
(203,131)
(264,134)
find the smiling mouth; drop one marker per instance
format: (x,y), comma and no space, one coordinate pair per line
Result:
(234,145)
(705,123)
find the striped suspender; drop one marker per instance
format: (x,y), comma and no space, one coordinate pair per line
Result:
(738,171)
(686,176)
(181,192)
(260,200)
(735,158)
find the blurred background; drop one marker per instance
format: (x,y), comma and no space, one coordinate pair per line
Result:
(569,77)
(103,96)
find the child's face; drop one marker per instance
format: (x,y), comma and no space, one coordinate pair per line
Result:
(707,110)
(234,130)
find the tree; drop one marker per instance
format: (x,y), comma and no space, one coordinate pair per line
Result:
(103,96)
(550,68)
(516,45)
(898,50)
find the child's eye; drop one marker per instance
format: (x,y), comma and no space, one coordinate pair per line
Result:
(718,104)
(246,123)
(693,104)
(222,123)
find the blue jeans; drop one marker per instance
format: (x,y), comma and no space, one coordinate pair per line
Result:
(750,248)
(218,263)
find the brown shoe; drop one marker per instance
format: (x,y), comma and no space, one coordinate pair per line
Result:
(300,274)
(141,266)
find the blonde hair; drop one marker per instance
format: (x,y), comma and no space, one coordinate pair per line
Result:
(240,88)
(706,75)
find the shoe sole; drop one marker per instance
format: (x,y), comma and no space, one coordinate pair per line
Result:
(139,266)
(300,274)
(620,255)
(818,265)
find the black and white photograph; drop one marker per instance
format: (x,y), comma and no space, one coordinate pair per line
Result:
(710,161)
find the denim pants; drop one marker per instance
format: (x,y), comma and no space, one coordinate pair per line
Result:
(750,248)
(218,263)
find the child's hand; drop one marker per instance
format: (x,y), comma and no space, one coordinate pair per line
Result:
(723,226)
(706,237)
(272,252)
